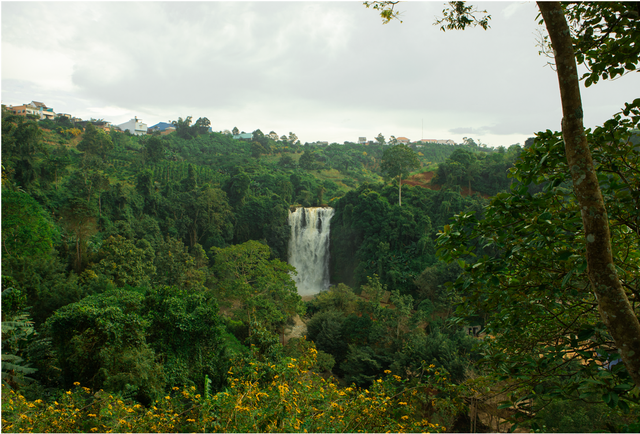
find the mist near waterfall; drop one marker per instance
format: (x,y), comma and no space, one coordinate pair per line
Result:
(309,248)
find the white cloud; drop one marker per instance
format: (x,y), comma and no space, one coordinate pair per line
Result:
(290,66)
(38,65)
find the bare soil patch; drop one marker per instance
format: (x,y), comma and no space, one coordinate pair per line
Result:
(424,180)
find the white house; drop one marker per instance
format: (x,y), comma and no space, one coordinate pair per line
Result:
(134,126)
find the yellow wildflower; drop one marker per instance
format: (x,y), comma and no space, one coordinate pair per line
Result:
(76,383)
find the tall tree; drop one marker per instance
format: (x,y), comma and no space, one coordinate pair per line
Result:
(154,148)
(613,303)
(605,38)
(397,162)
(95,142)
(202,126)
(263,287)
(183,127)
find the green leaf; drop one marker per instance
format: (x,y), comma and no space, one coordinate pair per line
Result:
(566,279)
(545,216)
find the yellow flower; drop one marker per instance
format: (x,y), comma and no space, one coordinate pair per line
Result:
(175,388)
(404,417)
(198,396)
(402,403)
(387,371)
(91,415)
(68,392)
(167,397)
(76,383)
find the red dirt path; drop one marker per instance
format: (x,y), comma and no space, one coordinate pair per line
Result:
(424,180)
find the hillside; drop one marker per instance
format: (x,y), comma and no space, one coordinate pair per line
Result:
(151,273)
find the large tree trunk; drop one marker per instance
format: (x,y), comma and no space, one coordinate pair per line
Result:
(613,303)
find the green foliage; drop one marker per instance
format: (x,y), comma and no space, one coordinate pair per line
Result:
(143,211)
(381,330)
(17,330)
(481,172)
(571,416)
(309,161)
(21,144)
(155,148)
(176,267)
(529,276)
(369,235)
(262,397)
(95,142)
(186,328)
(459,16)
(27,230)
(397,162)
(101,341)
(125,262)
(263,288)
(606,38)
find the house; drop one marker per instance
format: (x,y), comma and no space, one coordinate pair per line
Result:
(362,140)
(135,126)
(439,141)
(33,108)
(23,110)
(161,126)
(44,111)
(403,140)
(63,115)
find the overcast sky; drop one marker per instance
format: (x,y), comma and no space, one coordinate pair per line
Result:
(327,71)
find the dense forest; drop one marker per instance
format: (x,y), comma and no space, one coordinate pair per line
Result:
(144,265)
(146,284)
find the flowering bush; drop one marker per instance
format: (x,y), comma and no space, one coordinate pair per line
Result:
(260,397)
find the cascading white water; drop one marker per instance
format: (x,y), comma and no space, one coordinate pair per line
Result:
(309,248)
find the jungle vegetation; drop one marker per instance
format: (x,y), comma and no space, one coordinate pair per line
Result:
(145,284)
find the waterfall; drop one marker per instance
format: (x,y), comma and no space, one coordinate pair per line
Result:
(309,248)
